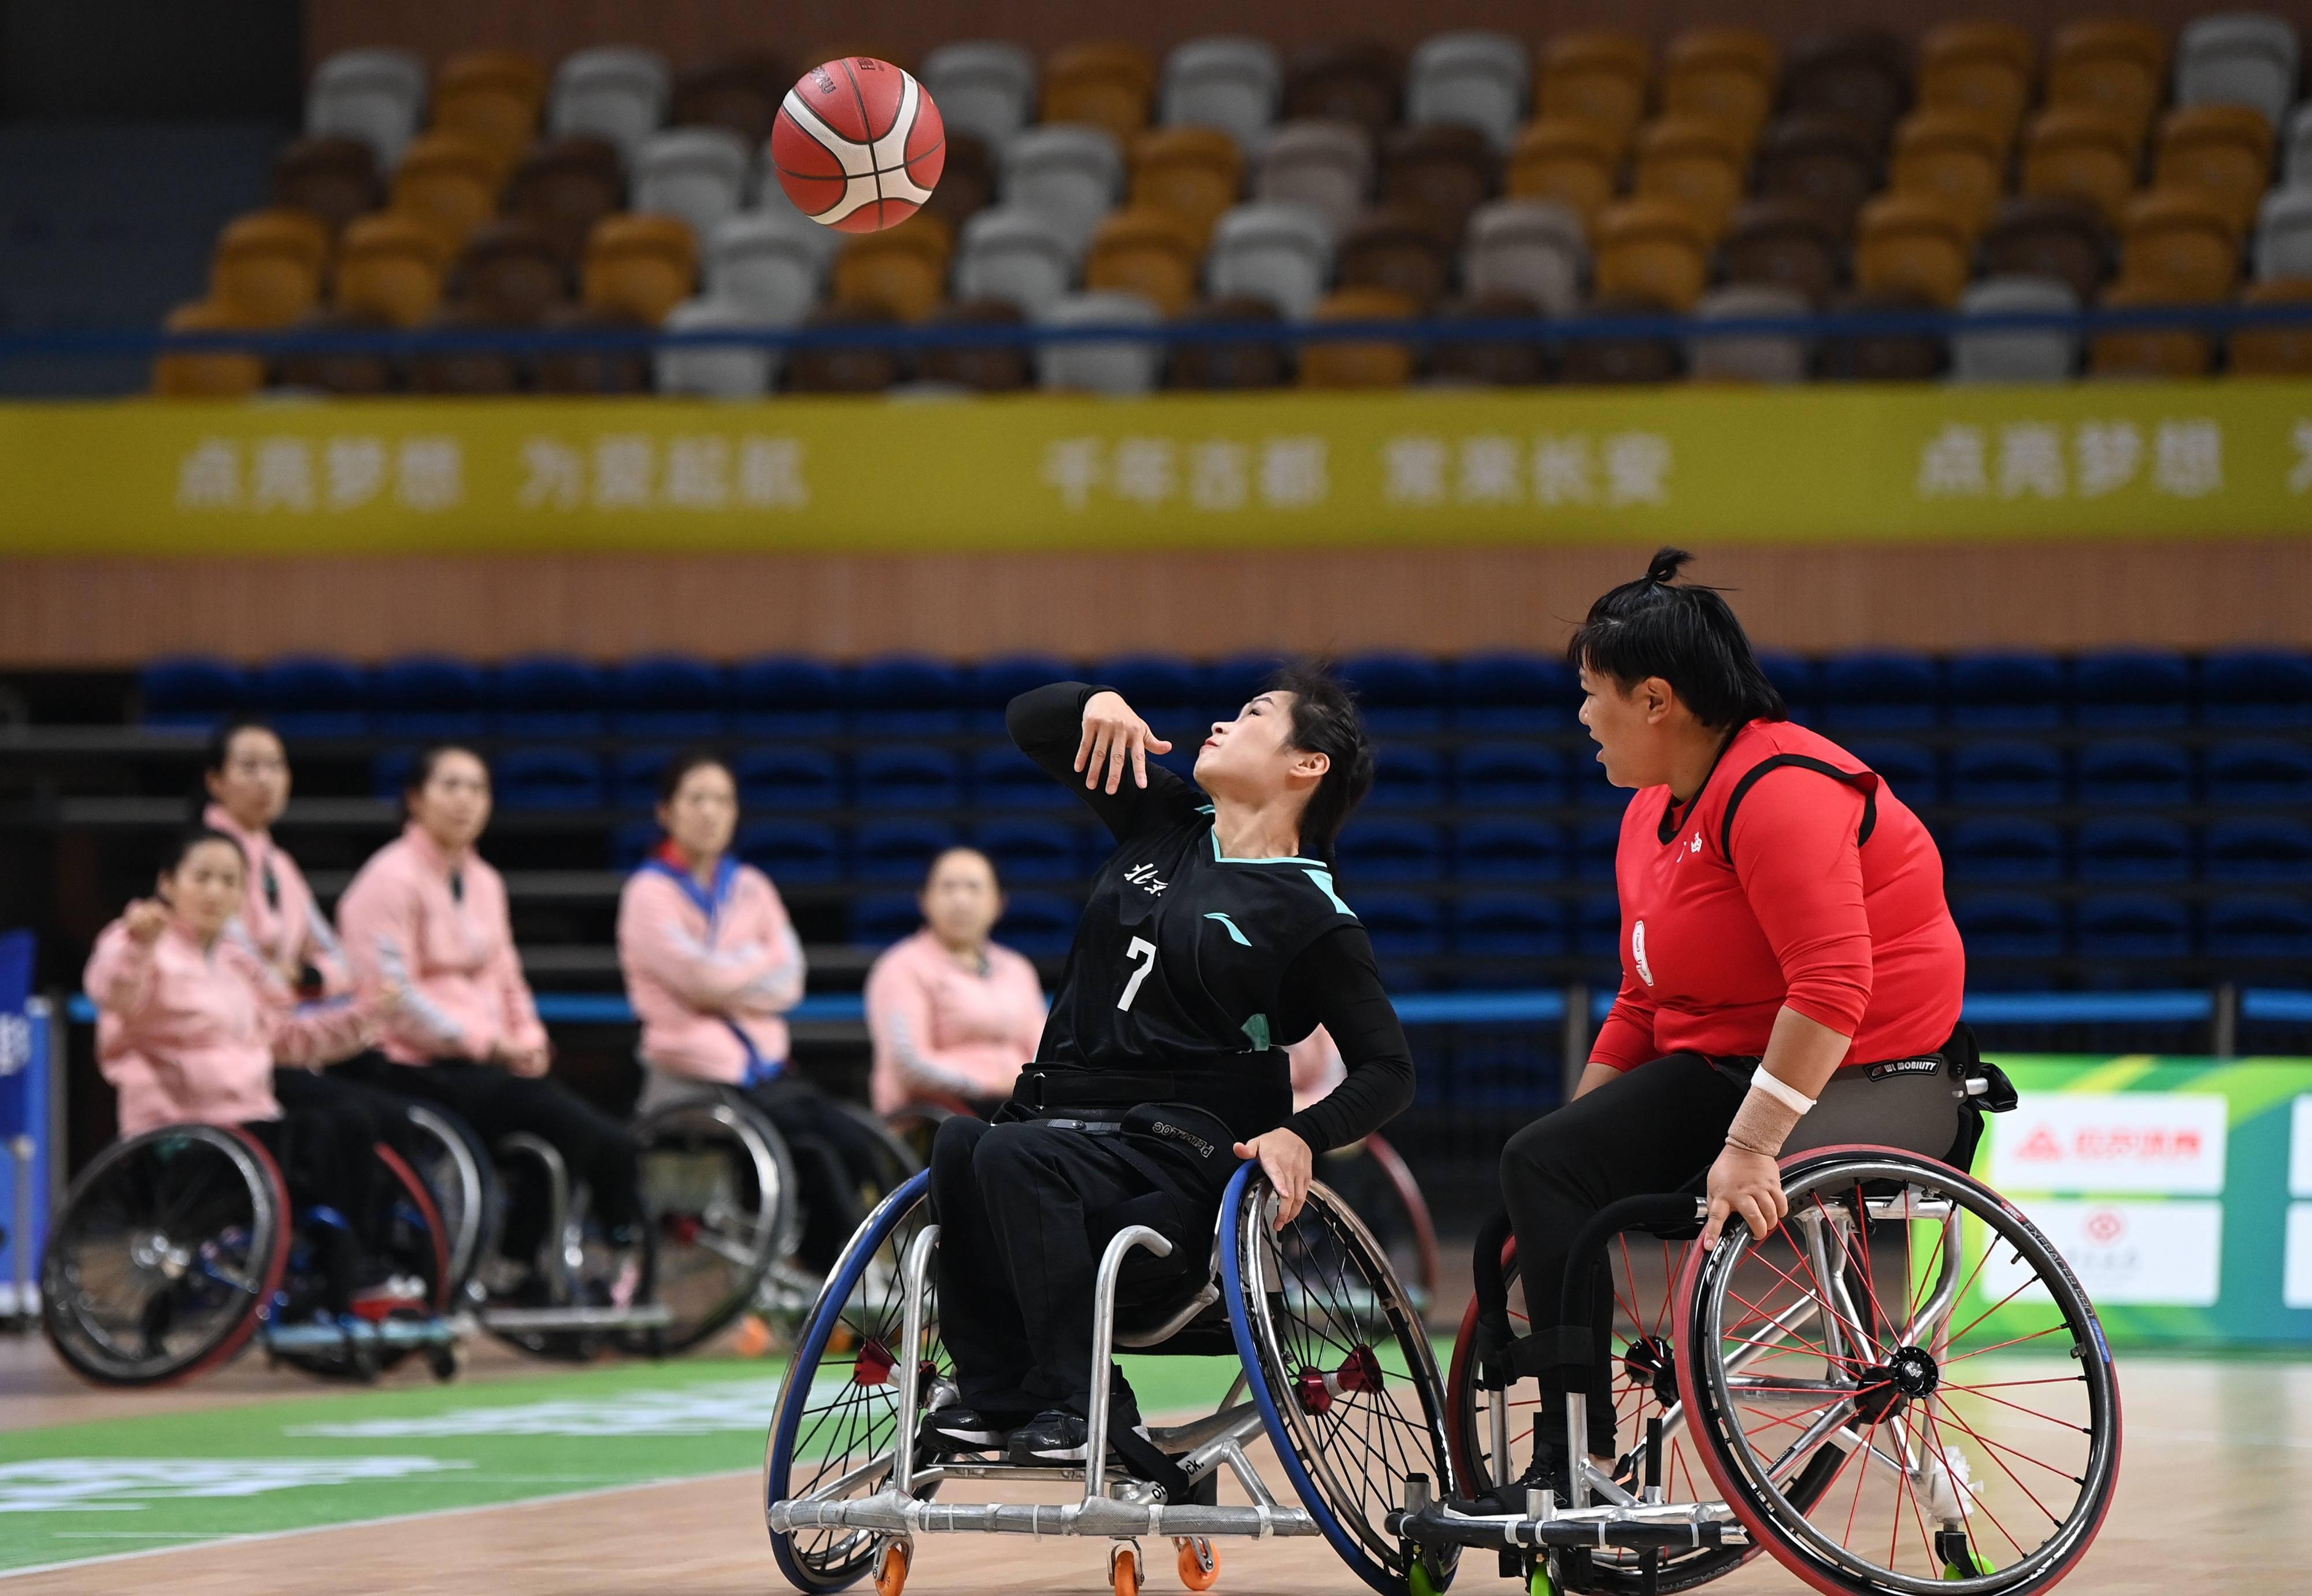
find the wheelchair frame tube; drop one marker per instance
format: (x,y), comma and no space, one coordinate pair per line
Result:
(916,1265)
(1103,1355)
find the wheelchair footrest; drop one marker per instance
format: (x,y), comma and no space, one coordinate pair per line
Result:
(890,1513)
(1639,1528)
(654,1316)
(326,1336)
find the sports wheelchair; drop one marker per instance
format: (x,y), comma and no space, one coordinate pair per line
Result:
(176,1248)
(1333,1368)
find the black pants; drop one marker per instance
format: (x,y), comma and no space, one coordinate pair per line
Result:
(1658,1128)
(836,1158)
(1024,1210)
(327,1158)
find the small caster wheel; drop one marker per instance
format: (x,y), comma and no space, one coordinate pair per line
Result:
(1200,1563)
(891,1569)
(442,1358)
(1123,1568)
(1541,1582)
(1422,1578)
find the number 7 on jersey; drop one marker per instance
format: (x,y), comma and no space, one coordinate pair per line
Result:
(1144,950)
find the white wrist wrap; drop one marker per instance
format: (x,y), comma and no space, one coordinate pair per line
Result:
(1780,1090)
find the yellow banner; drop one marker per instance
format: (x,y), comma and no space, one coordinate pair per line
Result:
(2215,459)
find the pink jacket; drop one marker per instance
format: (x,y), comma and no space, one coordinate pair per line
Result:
(451,951)
(285,925)
(941,1032)
(185,1032)
(709,971)
(1317,1067)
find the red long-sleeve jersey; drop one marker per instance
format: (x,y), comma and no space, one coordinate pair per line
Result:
(1795,876)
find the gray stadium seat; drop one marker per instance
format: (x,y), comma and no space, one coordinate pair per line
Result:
(1272,249)
(2241,57)
(1749,357)
(769,262)
(1475,79)
(1015,254)
(377,96)
(1532,247)
(1326,165)
(1071,172)
(613,93)
(696,173)
(2015,356)
(1118,369)
(2284,234)
(718,372)
(985,87)
(1230,84)
(2295,156)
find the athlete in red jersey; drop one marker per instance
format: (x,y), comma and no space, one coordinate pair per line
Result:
(1791,976)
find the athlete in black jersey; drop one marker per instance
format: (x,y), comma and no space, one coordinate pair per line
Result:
(1214,935)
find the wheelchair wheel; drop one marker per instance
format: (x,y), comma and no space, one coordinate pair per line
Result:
(416,1244)
(576,1265)
(1375,1182)
(1338,1361)
(717,1187)
(169,1249)
(449,1159)
(1958,1448)
(839,1422)
(917,1125)
(893,1157)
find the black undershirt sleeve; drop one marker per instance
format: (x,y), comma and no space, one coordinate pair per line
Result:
(1335,983)
(1047,723)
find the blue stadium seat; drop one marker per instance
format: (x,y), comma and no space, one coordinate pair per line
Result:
(548,695)
(1798,678)
(785,695)
(878,919)
(2260,771)
(1879,691)
(908,776)
(1002,777)
(1407,776)
(2131,687)
(2010,925)
(1586,783)
(2259,927)
(2007,776)
(2006,690)
(1512,692)
(906,695)
(671,696)
(1402,924)
(2136,770)
(803,778)
(1224,685)
(314,696)
(1509,925)
(1375,849)
(631,842)
(991,684)
(2002,851)
(1170,692)
(1510,776)
(2134,926)
(793,853)
(190,690)
(1595,844)
(900,850)
(1031,849)
(1598,928)
(1040,925)
(2254,687)
(547,778)
(2133,850)
(1400,693)
(1509,850)
(389,772)
(1910,768)
(633,775)
(430,696)
(2259,851)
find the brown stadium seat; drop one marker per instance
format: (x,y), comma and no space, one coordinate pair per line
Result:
(838,368)
(983,368)
(470,374)
(966,185)
(2091,154)
(1789,242)
(266,269)
(1828,160)
(1359,81)
(2280,351)
(1909,243)
(1148,251)
(642,265)
(2147,351)
(2180,242)
(1599,74)
(448,182)
(1623,359)
(1954,153)
(1105,84)
(1697,162)
(2225,151)
(1445,171)
(1726,74)
(510,274)
(1490,363)
(493,98)
(1374,365)
(1398,249)
(1652,249)
(903,269)
(2111,65)
(389,267)
(739,92)
(1881,356)
(1984,68)
(335,179)
(598,371)
(1863,75)
(565,187)
(221,375)
(1572,160)
(1195,173)
(2050,236)
(341,375)
(1229,364)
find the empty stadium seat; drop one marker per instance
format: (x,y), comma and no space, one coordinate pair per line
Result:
(1272,249)
(547,778)
(2007,774)
(1876,689)
(1488,360)
(740,92)
(1399,692)
(373,95)
(899,850)
(1031,849)
(1145,251)
(2253,687)
(1443,172)
(1509,691)
(491,97)
(335,178)
(980,368)
(510,275)
(2134,926)
(612,92)
(1826,160)
(900,273)
(1567,161)
(2261,772)
(1598,928)
(1163,685)
(1881,357)
(1908,243)
(634,771)
(667,696)
(631,843)
(1910,770)
(1471,79)
(2133,850)
(1997,851)
(768,264)
(2222,151)
(1982,67)
(1015,254)
(698,174)
(1509,850)
(1798,678)
(1953,155)
(1193,173)
(2008,690)
(2134,771)
(1510,776)
(800,853)
(1748,357)
(639,265)
(1402,924)
(1228,363)
(715,371)
(1509,925)
(2131,688)
(1343,363)
(2061,236)
(468,372)
(1786,242)
(1376,848)
(967,184)
(448,184)
(565,186)
(2237,59)
(1005,778)
(1230,83)
(1407,776)
(2284,234)
(1654,250)
(2115,65)
(1117,369)
(983,87)
(1694,161)
(1863,75)
(431,696)
(2259,851)
(988,686)
(2260,926)
(906,694)
(1104,85)
(313,696)
(1599,75)
(1399,249)
(1040,925)
(1725,74)
(1357,81)
(598,371)
(2015,355)
(1326,165)
(2283,350)
(2009,925)
(2086,154)
(1528,247)
(878,919)
(2149,351)
(266,270)
(547,696)
(792,777)
(2296,160)
(1596,844)
(1068,172)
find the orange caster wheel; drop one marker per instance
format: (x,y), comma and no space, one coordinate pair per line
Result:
(1200,1563)
(891,1569)
(1124,1570)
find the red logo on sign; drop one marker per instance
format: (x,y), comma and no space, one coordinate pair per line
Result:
(2104,1226)
(2042,1145)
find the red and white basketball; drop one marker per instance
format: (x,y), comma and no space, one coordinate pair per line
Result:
(858,145)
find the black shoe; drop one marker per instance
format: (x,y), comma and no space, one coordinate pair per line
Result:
(1052,1436)
(1547,1472)
(952,1432)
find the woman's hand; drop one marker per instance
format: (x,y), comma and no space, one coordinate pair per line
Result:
(145,920)
(1748,1184)
(1286,1160)
(1113,734)
(520,1061)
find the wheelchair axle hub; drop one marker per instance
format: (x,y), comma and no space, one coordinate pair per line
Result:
(1650,1361)
(872,1365)
(1910,1375)
(1317,1387)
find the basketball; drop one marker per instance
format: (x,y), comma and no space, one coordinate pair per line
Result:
(858,145)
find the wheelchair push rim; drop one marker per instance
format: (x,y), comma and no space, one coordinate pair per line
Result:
(460,1181)
(1955,1447)
(716,1187)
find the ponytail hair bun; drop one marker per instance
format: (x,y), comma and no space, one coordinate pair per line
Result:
(1683,633)
(1666,566)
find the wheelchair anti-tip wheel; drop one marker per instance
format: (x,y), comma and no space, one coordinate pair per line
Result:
(718,1194)
(1871,1427)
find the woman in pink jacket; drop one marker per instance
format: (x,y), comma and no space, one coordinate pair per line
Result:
(247,783)
(710,963)
(953,1015)
(429,914)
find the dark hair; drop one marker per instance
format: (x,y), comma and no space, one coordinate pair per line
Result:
(677,768)
(172,858)
(1684,634)
(1326,720)
(220,747)
(420,769)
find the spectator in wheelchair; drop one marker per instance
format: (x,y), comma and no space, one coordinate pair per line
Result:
(952,1013)
(710,963)
(1213,936)
(192,1022)
(1790,975)
(428,915)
